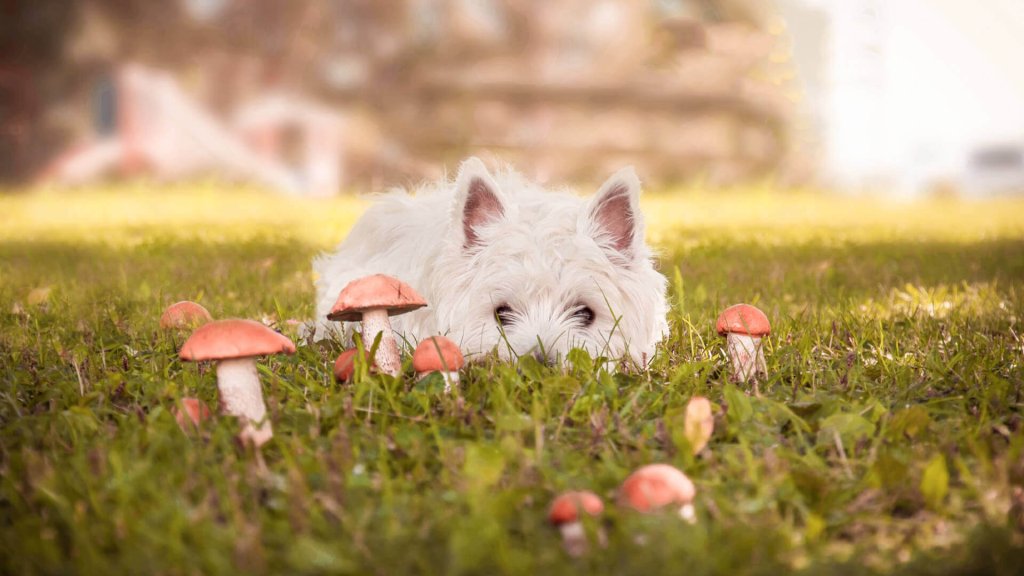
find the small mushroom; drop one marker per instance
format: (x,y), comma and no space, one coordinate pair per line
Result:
(743,326)
(184,315)
(655,486)
(700,423)
(345,365)
(191,414)
(565,513)
(438,354)
(371,300)
(234,345)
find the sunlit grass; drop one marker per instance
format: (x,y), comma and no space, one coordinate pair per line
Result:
(130,212)
(943,301)
(889,438)
(780,218)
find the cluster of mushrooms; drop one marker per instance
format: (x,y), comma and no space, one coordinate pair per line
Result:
(649,489)
(235,344)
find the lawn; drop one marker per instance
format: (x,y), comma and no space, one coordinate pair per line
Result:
(888,438)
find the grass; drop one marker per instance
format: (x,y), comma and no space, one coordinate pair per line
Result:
(888,439)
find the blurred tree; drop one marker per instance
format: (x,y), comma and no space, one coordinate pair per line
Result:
(32,38)
(33,32)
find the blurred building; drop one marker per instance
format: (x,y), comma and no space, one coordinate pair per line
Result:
(572,89)
(564,90)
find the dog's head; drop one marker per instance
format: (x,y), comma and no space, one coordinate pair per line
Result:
(527,272)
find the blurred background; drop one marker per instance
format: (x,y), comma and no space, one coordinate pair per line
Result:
(904,97)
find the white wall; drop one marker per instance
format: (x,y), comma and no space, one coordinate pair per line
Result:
(914,85)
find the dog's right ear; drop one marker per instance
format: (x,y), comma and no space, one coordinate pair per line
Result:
(478,201)
(613,216)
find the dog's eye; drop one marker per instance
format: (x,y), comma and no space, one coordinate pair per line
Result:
(584,315)
(504,314)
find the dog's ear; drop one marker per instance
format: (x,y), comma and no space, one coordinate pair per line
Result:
(613,215)
(478,201)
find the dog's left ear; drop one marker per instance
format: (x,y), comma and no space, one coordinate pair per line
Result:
(613,216)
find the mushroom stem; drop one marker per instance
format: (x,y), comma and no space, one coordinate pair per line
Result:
(241,396)
(574,538)
(688,513)
(387,357)
(747,357)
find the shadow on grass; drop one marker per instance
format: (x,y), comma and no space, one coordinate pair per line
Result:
(248,277)
(728,272)
(238,278)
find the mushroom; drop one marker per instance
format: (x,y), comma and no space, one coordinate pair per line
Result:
(743,326)
(658,485)
(234,345)
(191,414)
(372,299)
(565,513)
(699,424)
(438,354)
(345,365)
(184,314)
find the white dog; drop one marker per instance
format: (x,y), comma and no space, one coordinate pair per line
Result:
(507,266)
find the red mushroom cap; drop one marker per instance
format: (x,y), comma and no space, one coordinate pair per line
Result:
(374,293)
(743,319)
(192,413)
(654,486)
(345,365)
(184,314)
(227,339)
(566,507)
(437,353)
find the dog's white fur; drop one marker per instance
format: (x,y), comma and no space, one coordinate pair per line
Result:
(482,241)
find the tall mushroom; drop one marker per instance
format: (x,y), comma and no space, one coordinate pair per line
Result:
(234,346)
(438,354)
(184,314)
(371,300)
(565,513)
(743,326)
(655,486)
